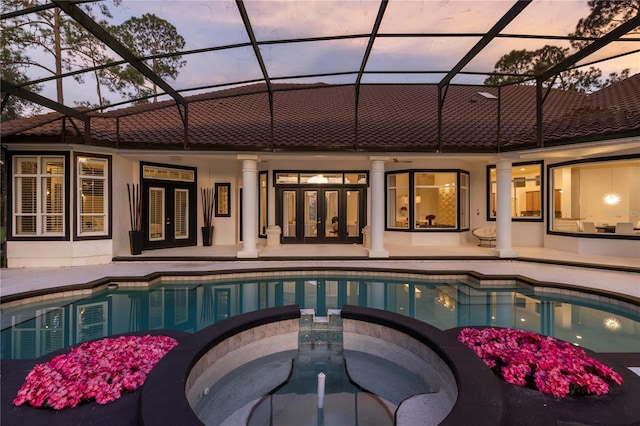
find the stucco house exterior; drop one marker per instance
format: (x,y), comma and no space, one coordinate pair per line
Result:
(374,164)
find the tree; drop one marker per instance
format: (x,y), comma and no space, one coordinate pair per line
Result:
(520,65)
(605,16)
(64,42)
(150,35)
(91,52)
(524,64)
(13,61)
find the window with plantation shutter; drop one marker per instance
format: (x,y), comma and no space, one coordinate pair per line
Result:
(34,337)
(52,330)
(181,229)
(156,309)
(39,195)
(181,305)
(92,190)
(156,214)
(92,321)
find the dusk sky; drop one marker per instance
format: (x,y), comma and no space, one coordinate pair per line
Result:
(209,23)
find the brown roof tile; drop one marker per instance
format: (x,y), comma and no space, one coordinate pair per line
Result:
(397,117)
(390,117)
(518,124)
(320,118)
(574,116)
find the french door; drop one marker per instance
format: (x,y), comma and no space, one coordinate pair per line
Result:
(321,214)
(169,215)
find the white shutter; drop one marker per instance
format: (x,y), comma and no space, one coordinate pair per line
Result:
(181,219)
(156,214)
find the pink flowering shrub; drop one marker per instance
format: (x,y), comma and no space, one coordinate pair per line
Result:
(100,370)
(539,362)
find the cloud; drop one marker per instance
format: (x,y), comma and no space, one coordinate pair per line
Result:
(207,23)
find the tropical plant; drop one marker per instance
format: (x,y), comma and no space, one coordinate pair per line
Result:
(135,207)
(208,201)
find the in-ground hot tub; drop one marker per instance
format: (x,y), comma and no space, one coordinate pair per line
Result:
(208,367)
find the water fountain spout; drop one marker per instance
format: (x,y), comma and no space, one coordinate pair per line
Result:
(321,380)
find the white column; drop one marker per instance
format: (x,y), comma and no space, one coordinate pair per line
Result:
(503,209)
(504,310)
(273,230)
(377,295)
(377,209)
(271,204)
(249,206)
(250,293)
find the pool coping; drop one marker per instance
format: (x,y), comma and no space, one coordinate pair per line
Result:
(266,259)
(484,280)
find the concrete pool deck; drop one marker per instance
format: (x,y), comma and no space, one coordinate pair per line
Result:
(612,274)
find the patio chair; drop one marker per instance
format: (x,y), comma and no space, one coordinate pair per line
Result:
(486,235)
(624,228)
(334,225)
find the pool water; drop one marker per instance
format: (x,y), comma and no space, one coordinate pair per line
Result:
(282,388)
(32,330)
(295,398)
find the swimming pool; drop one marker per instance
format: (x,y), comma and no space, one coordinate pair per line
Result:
(30,330)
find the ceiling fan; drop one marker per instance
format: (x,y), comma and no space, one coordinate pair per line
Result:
(396,160)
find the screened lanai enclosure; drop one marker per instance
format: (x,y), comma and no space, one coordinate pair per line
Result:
(107,54)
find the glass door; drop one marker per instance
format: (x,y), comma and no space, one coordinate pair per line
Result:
(354,215)
(329,215)
(312,220)
(288,222)
(169,206)
(169,215)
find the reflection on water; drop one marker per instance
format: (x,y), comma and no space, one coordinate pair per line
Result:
(31,331)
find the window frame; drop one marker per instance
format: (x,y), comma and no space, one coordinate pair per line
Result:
(78,235)
(65,235)
(411,204)
(634,215)
(407,209)
(489,182)
(223,199)
(279,175)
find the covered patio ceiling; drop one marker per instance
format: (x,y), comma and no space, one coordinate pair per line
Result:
(285,44)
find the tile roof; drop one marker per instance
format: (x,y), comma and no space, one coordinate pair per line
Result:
(324,117)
